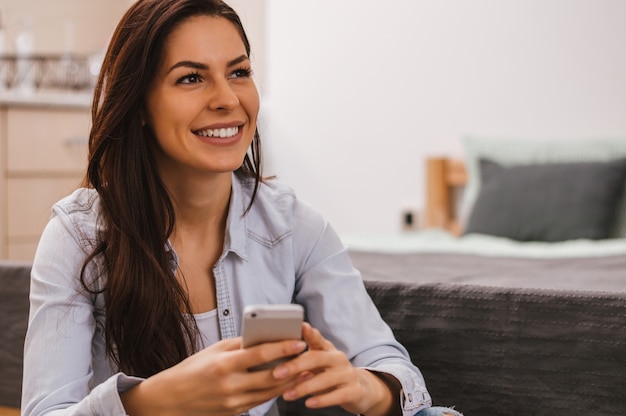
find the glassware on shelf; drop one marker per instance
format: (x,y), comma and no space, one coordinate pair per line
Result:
(24,76)
(3,70)
(49,71)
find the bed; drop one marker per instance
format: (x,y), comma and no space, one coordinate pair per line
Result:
(524,317)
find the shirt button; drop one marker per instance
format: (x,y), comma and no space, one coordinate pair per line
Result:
(225,312)
(410,397)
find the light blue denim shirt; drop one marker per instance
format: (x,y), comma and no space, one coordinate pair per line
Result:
(281,251)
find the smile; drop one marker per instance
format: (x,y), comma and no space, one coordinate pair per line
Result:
(222,133)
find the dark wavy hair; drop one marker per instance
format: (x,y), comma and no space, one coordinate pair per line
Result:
(147,310)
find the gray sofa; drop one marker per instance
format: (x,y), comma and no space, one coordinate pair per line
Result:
(485,350)
(14,286)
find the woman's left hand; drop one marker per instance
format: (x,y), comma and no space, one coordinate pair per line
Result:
(331,380)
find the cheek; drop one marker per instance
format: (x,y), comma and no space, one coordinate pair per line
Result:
(162,108)
(158,130)
(162,125)
(252,106)
(163,118)
(250,100)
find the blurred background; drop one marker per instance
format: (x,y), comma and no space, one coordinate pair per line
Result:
(359,92)
(355,94)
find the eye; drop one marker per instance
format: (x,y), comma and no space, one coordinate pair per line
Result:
(192,78)
(241,73)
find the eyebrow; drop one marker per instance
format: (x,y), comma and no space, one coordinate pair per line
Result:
(201,66)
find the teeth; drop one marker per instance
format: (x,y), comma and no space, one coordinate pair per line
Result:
(222,133)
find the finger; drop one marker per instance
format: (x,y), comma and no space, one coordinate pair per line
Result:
(228,344)
(334,397)
(262,382)
(243,386)
(268,352)
(238,403)
(314,338)
(222,346)
(304,376)
(319,386)
(330,388)
(315,385)
(337,371)
(313,361)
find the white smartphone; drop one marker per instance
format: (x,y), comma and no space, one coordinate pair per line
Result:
(269,323)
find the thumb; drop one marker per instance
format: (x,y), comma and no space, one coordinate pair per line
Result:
(314,338)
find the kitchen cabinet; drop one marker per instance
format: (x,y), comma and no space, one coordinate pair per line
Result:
(43,158)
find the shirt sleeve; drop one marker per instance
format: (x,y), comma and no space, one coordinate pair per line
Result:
(58,361)
(337,304)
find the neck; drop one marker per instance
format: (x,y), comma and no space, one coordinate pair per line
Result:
(201,207)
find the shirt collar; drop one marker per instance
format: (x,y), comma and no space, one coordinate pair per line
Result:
(236,228)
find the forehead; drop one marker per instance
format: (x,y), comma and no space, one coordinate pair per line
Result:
(203,37)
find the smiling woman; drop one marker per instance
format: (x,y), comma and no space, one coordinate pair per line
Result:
(141,276)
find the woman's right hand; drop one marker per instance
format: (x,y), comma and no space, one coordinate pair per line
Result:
(214,381)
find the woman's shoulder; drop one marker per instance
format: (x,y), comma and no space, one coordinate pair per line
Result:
(277,205)
(276,196)
(79,212)
(270,191)
(83,201)
(275,190)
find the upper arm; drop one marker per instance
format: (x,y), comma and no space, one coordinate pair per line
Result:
(58,345)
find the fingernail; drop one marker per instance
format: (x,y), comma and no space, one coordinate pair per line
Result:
(312,402)
(289,395)
(306,376)
(281,371)
(299,346)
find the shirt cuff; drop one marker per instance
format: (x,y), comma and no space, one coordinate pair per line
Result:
(413,395)
(104,399)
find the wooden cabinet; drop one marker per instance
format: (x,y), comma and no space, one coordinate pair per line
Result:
(44,156)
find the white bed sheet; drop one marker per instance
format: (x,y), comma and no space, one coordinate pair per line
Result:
(441,241)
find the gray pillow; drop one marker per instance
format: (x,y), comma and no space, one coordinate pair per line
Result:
(548,202)
(527,151)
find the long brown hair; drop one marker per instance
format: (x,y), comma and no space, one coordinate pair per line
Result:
(147,311)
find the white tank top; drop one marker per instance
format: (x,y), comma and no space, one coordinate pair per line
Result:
(209,328)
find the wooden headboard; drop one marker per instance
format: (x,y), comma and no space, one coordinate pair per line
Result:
(9,411)
(444,177)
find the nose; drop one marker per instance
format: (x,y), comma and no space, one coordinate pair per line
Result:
(223,97)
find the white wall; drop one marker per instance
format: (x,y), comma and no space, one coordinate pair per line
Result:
(358,92)
(253,16)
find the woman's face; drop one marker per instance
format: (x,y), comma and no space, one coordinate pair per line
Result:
(202,105)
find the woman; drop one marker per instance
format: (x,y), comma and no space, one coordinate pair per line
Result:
(140,278)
